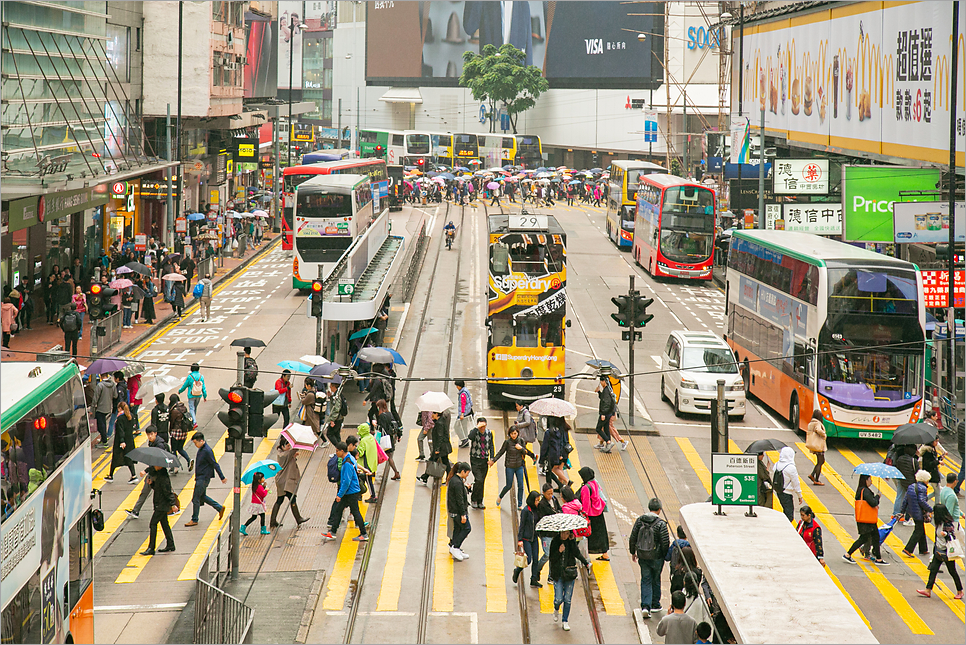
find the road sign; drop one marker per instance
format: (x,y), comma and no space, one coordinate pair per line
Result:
(734,479)
(346,287)
(650,126)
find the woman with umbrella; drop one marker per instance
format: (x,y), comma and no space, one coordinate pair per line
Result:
(177,298)
(123,443)
(147,302)
(283,401)
(866,521)
(553,453)
(564,555)
(256,507)
(592,504)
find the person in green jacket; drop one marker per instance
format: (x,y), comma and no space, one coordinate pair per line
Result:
(368,458)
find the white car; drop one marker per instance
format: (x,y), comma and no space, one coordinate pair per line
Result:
(692,364)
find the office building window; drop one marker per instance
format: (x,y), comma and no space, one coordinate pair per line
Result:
(117,46)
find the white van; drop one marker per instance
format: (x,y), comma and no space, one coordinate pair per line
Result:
(692,364)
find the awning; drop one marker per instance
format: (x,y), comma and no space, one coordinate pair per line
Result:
(402,95)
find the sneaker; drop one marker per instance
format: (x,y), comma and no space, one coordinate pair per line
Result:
(133,480)
(566,626)
(657,607)
(556,614)
(536,584)
(881,562)
(466,556)
(191,463)
(420,458)
(132,514)
(646,613)
(909,523)
(848,558)
(598,446)
(624,444)
(422,481)
(361,538)
(453,551)
(109,479)
(464,443)
(328,536)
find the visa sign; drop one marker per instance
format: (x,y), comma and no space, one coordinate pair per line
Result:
(869,192)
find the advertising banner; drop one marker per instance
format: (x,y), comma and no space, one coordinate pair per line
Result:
(935,288)
(868,193)
(261,66)
(575,44)
(862,77)
(801,176)
(290,27)
(927,222)
(820,218)
(245,149)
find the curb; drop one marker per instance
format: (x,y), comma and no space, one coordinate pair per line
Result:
(147,333)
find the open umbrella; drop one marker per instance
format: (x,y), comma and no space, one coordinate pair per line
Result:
(247,342)
(764,445)
(267,467)
(159,385)
(375,355)
(561,522)
(137,267)
(259,213)
(301,437)
(176,277)
(551,407)
(123,270)
(152,457)
(328,371)
(133,366)
(396,356)
(600,362)
(295,366)
(433,402)
(121,283)
(914,433)
(877,469)
(493,185)
(314,359)
(194,217)
(106,366)
(363,332)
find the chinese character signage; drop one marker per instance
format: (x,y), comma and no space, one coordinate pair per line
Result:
(773,212)
(935,288)
(801,176)
(818,218)
(734,479)
(927,222)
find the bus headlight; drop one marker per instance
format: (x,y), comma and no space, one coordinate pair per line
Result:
(526,372)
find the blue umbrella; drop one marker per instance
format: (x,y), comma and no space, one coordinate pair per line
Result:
(295,366)
(194,217)
(363,332)
(267,467)
(877,469)
(396,356)
(446,175)
(461,168)
(887,529)
(574,182)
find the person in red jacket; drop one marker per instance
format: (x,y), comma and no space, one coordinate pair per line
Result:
(811,532)
(133,385)
(283,401)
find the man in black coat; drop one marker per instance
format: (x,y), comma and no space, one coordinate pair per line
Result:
(441,443)
(155,440)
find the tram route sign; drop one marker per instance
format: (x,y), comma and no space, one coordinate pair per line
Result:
(734,479)
(346,287)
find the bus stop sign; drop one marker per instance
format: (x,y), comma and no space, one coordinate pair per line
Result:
(734,479)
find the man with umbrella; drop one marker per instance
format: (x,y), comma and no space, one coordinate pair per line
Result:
(164,502)
(155,440)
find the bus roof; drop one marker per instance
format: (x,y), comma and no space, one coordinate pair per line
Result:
(664,180)
(633,164)
(816,249)
(334,182)
(327,167)
(18,386)
(501,224)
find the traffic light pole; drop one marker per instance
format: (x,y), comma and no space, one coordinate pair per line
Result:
(318,322)
(235,520)
(630,354)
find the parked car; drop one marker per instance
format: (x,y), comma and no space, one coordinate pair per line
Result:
(692,364)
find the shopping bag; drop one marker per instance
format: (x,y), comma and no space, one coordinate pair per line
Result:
(385,442)
(381,456)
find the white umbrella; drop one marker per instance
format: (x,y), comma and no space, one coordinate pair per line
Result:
(433,402)
(159,385)
(301,437)
(314,359)
(552,407)
(259,213)
(561,522)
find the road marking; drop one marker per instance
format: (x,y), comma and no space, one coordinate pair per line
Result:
(696,463)
(443,567)
(399,534)
(657,359)
(767,415)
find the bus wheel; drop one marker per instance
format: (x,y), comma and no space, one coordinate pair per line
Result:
(677,404)
(663,393)
(794,412)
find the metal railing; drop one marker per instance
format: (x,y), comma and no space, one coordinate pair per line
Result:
(112,336)
(219,616)
(421,241)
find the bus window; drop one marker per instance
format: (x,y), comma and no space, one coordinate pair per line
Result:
(367,136)
(81,571)
(501,331)
(418,144)
(325,205)
(551,332)
(21,617)
(500,258)
(527,258)
(397,140)
(526,332)
(508,143)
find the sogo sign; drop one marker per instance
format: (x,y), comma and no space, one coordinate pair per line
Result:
(868,193)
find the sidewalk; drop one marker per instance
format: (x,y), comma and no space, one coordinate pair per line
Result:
(43,337)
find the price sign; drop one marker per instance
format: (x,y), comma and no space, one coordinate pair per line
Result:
(529,222)
(734,479)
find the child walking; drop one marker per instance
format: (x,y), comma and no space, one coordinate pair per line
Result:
(257,505)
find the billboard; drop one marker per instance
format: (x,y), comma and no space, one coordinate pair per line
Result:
(801,176)
(575,44)
(927,222)
(261,66)
(869,192)
(290,28)
(860,77)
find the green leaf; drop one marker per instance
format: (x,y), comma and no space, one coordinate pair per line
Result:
(501,76)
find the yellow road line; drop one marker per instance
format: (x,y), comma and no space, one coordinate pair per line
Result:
(697,465)
(892,541)
(545,592)
(610,594)
(341,576)
(493,550)
(399,534)
(443,568)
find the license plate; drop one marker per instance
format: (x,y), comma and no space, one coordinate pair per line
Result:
(870,435)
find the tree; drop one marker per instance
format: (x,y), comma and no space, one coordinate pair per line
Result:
(501,76)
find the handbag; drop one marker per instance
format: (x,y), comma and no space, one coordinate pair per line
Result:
(584,532)
(363,489)
(954,547)
(520,561)
(435,469)
(385,442)
(279,400)
(381,456)
(570,573)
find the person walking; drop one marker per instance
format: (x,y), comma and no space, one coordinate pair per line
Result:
(785,482)
(525,423)
(194,383)
(8,317)
(386,426)
(677,626)
(103,405)
(441,445)
(123,443)
(815,441)
(256,506)
(164,501)
(335,410)
(553,453)
(177,298)
(127,306)
(605,409)
(931,460)
(679,560)
(482,453)
(310,406)
(378,389)
(527,541)
(179,424)
(547,505)
(961,448)
(948,498)
(464,412)
(593,506)
(612,419)
(916,505)
(205,300)
(161,420)
(147,302)
(811,532)
(250,373)
(348,495)
(70,324)
(205,468)
(368,459)
(908,464)
(154,441)
(765,491)
(282,403)
(121,393)
(564,555)
(457,504)
(425,435)
(79,300)
(133,385)
(866,523)
(513,464)
(648,543)
(287,483)
(945,533)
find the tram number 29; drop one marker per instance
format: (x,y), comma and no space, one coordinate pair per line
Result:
(529,222)
(558,388)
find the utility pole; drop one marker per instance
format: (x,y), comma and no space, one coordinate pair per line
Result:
(631,313)
(291,59)
(177,207)
(741,83)
(951,315)
(169,220)
(276,179)
(340,124)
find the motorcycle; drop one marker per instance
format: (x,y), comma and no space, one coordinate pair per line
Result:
(450,236)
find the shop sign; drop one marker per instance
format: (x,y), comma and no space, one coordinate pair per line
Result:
(140,242)
(250,166)
(181,225)
(868,193)
(53,207)
(245,149)
(927,222)
(773,212)
(801,176)
(818,218)
(214,196)
(23,213)
(220,170)
(119,189)
(935,288)
(158,189)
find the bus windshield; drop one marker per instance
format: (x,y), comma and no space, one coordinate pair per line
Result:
(417,144)
(632,176)
(684,246)
(874,290)
(293,181)
(324,205)
(717,360)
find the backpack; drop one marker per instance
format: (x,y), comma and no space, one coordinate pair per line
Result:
(198,290)
(251,370)
(778,481)
(69,323)
(647,541)
(197,389)
(176,414)
(333,469)
(891,455)
(419,419)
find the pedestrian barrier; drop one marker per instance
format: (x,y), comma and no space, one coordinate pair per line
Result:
(219,616)
(206,266)
(415,261)
(111,336)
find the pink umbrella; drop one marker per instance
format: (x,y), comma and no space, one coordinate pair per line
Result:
(177,277)
(493,185)
(121,283)
(300,436)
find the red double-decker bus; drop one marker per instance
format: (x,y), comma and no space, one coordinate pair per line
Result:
(295,175)
(674,227)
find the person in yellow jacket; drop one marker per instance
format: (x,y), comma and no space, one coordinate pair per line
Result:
(815,441)
(866,520)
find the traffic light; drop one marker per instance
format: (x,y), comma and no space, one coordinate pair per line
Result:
(235,419)
(623,315)
(99,302)
(317,298)
(641,317)
(421,164)
(379,151)
(258,421)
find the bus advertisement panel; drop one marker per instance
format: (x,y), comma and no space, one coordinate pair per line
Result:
(674,227)
(622,199)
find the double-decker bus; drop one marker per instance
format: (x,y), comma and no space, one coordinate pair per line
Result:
(827,326)
(466,147)
(674,227)
(442,147)
(330,213)
(622,199)
(529,152)
(295,175)
(527,308)
(395,146)
(48,554)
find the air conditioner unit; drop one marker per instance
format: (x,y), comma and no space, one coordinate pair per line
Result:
(229,66)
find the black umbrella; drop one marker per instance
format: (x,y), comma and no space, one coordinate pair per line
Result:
(138,292)
(137,267)
(152,457)
(327,371)
(915,433)
(247,342)
(764,445)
